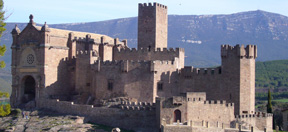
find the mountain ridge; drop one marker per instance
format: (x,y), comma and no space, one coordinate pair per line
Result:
(200,35)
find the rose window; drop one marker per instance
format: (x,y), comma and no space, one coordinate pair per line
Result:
(30,59)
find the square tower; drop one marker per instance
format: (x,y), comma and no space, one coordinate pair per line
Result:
(152,26)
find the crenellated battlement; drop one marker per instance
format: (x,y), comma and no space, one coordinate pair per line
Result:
(116,62)
(163,62)
(107,62)
(126,65)
(256,114)
(190,71)
(83,53)
(83,39)
(99,40)
(127,105)
(151,54)
(133,62)
(151,50)
(152,5)
(250,51)
(67,59)
(221,102)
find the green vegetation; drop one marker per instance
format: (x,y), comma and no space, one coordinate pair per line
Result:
(5,108)
(281,100)
(5,80)
(276,96)
(2,29)
(272,74)
(4,95)
(269,104)
(16,112)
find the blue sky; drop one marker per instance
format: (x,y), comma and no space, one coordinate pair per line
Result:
(74,11)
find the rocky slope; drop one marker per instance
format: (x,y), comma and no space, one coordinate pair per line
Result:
(49,121)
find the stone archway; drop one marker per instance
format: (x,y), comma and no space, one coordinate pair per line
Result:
(177,115)
(29,85)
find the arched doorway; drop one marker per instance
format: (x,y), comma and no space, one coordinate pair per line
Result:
(29,89)
(177,115)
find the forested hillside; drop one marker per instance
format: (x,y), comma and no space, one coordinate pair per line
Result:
(272,74)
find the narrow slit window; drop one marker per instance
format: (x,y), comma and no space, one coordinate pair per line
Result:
(110,85)
(160,86)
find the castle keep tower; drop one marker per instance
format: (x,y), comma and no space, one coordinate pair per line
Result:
(152,26)
(238,64)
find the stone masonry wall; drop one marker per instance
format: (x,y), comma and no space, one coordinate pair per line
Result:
(212,111)
(152,54)
(197,110)
(57,76)
(137,120)
(260,120)
(129,78)
(234,81)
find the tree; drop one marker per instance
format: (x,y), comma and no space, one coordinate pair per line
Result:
(269,105)
(5,110)
(4,94)
(2,51)
(2,29)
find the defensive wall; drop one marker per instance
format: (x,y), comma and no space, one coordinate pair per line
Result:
(205,128)
(131,119)
(213,111)
(150,54)
(203,80)
(207,115)
(261,120)
(136,79)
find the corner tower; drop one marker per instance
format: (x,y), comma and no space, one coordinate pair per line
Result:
(152,26)
(238,70)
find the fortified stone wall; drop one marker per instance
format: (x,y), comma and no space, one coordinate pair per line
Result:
(137,120)
(136,79)
(128,78)
(56,71)
(214,112)
(233,81)
(151,54)
(83,80)
(203,80)
(166,78)
(260,120)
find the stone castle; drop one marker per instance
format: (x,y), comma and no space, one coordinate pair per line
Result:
(143,89)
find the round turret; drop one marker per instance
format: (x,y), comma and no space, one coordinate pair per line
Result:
(16,30)
(45,28)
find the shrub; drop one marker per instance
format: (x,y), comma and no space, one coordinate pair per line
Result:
(5,110)
(16,112)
